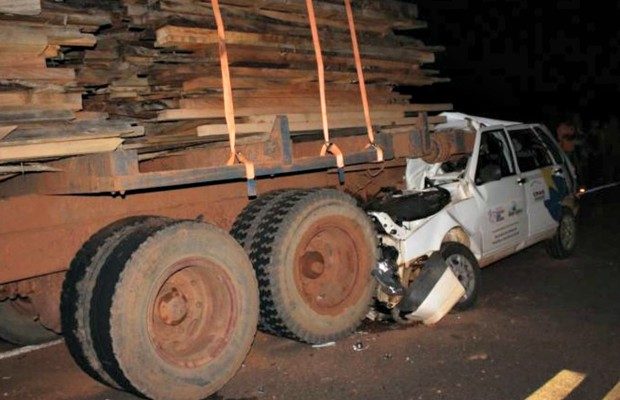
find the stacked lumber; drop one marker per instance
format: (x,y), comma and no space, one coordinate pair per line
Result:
(169,74)
(147,72)
(41,103)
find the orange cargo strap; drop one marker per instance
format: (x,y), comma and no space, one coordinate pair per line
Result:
(362,82)
(328,146)
(229,109)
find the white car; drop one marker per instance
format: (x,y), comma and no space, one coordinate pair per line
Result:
(517,188)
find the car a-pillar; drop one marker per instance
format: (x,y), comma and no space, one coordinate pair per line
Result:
(162,308)
(312,251)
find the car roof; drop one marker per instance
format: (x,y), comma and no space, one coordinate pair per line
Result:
(463,121)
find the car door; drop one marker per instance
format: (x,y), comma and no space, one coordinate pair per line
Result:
(563,168)
(540,176)
(500,197)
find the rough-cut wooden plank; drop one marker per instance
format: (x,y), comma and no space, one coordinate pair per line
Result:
(271,56)
(302,122)
(60,149)
(20,37)
(191,38)
(54,75)
(22,60)
(20,7)
(33,115)
(296,14)
(50,100)
(5,130)
(293,107)
(60,132)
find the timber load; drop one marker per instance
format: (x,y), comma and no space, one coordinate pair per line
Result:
(84,77)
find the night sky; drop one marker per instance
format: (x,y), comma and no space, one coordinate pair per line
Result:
(526,60)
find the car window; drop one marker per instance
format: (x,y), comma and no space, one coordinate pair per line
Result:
(551,145)
(531,152)
(494,158)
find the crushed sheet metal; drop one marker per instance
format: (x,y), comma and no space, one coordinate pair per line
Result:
(29,349)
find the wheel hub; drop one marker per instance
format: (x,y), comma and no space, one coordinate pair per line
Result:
(173,307)
(194,313)
(330,265)
(313,264)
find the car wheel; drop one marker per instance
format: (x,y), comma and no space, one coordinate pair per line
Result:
(466,268)
(562,244)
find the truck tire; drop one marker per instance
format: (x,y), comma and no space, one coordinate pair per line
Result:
(19,326)
(175,312)
(78,287)
(313,253)
(466,268)
(562,244)
(246,223)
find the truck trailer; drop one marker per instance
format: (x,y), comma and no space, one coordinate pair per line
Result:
(191,182)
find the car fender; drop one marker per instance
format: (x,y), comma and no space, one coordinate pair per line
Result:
(429,236)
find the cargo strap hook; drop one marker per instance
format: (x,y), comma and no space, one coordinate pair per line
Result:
(328,146)
(229,109)
(362,83)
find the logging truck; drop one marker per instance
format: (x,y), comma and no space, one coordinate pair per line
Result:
(167,258)
(134,221)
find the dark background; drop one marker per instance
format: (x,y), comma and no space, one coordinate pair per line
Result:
(516,59)
(531,61)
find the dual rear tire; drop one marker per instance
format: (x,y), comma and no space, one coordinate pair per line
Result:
(161,308)
(312,251)
(168,309)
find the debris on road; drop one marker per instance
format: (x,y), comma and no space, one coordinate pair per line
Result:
(360,346)
(478,356)
(321,345)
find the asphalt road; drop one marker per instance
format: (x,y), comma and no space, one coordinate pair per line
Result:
(535,317)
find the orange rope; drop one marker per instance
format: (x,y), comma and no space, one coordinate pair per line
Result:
(328,146)
(362,82)
(229,109)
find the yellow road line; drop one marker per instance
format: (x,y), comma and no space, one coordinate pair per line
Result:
(614,394)
(558,387)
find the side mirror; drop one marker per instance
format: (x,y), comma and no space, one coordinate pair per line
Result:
(489,173)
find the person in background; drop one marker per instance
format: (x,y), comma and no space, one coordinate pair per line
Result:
(569,140)
(567,136)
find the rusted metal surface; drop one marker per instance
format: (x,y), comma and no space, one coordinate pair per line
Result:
(44,299)
(40,234)
(329,270)
(193,315)
(120,172)
(447,144)
(37,298)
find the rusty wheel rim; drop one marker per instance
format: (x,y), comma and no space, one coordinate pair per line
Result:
(192,317)
(331,265)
